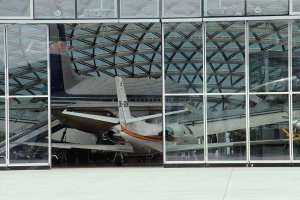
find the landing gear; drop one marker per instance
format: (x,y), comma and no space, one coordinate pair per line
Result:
(119,159)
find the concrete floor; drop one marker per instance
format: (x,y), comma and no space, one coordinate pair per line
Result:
(151,183)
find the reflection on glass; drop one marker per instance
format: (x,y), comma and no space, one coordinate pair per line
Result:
(268,65)
(296,126)
(97,8)
(185,130)
(183,57)
(61,9)
(179,8)
(295,5)
(2,62)
(15,8)
(27,59)
(267,7)
(137,51)
(28,129)
(226,127)
(296,56)
(224,8)
(139,8)
(269,138)
(2,131)
(225,50)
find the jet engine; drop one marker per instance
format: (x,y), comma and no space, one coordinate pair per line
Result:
(111,136)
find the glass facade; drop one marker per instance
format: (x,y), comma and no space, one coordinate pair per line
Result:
(249,97)
(225,74)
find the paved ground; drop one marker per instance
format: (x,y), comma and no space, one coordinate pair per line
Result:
(151,183)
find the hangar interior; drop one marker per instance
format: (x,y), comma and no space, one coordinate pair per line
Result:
(227,88)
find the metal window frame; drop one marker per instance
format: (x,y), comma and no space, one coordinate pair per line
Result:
(290,85)
(201,95)
(8,97)
(287,93)
(244,93)
(293,160)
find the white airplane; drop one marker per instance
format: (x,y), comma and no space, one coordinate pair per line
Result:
(140,137)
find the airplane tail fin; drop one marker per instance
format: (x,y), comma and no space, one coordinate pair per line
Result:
(124,111)
(62,73)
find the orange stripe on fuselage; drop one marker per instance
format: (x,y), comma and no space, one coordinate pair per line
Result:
(141,137)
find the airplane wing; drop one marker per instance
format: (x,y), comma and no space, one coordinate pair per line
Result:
(155,116)
(190,147)
(237,122)
(112,120)
(111,148)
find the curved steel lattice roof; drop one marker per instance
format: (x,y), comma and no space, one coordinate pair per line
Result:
(134,50)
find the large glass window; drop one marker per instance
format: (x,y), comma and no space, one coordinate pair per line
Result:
(139,8)
(178,8)
(15,8)
(2,132)
(27,59)
(84,61)
(27,65)
(2,99)
(183,57)
(295,6)
(269,125)
(225,57)
(296,56)
(60,9)
(268,65)
(2,62)
(28,116)
(226,127)
(224,8)
(184,132)
(296,88)
(267,7)
(268,74)
(296,126)
(97,8)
